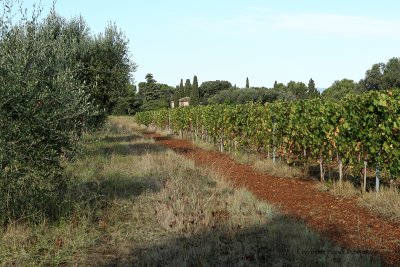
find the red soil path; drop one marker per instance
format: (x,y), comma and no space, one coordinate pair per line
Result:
(339,219)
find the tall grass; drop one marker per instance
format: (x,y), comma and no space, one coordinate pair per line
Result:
(386,203)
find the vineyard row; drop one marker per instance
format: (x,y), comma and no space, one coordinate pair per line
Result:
(358,131)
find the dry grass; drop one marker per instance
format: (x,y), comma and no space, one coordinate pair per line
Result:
(347,189)
(245,158)
(386,203)
(277,169)
(197,202)
(267,166)
(204,145)
(123,124)
(137,204)
(46,244)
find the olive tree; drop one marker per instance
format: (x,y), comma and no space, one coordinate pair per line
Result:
(50,93)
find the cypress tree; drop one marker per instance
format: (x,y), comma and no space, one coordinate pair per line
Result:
(181,89)
(275,84)
(176,97)
(188,88)
(179,93)
(312,90)
(194,95)
(247,83)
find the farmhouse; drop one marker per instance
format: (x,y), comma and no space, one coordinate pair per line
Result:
(183,102)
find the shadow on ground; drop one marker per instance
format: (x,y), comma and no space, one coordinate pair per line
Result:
(182,150)
(163,138)
(126,149)
(97,195)
(124,186)
(124,138)
(281,242)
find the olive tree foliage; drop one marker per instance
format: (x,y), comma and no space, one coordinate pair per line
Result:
(382,76)
(47,100)
(105,69)
(340,88)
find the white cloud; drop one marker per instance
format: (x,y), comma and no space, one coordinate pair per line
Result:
(256,20)
(340,25)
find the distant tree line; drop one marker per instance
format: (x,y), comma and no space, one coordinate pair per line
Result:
(152,95)
(291,91)
(381,76)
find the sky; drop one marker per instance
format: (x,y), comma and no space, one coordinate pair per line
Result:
(265,41)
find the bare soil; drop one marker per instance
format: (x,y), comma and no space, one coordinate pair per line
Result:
(339,219)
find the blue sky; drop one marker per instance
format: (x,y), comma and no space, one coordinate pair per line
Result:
(263,40)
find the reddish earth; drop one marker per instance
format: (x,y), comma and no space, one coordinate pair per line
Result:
(339,219)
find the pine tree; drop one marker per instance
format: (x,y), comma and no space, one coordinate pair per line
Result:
(150,78)
(194,95)
(247,83)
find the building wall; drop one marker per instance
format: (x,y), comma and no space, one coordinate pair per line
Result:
(183,103)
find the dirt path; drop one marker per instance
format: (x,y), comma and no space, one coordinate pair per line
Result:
(341,220)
